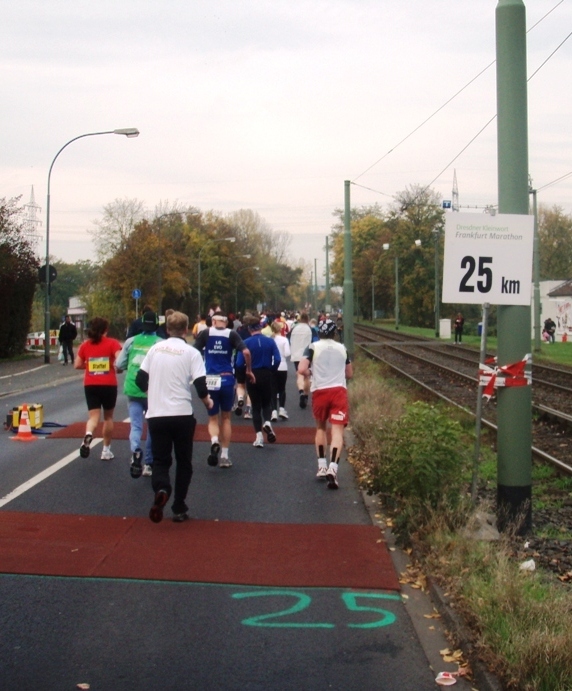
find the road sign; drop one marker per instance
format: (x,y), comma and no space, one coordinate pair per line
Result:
(136,294)
(446,203)
(42,274)
(488,259)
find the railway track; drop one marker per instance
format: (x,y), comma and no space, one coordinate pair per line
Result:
(450,372)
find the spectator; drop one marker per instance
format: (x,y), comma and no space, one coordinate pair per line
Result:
(66,337)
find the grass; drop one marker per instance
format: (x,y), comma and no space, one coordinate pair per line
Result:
(520,620)
(550,354)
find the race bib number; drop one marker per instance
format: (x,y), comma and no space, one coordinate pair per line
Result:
(98,365)
(214,382)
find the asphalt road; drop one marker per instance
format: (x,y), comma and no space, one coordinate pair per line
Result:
(117,634)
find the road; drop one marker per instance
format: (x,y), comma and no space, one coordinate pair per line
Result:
(125,632)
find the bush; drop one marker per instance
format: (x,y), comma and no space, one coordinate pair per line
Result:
(421,463)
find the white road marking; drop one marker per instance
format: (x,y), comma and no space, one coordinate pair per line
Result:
(47,472)
(19,374)
(43,475)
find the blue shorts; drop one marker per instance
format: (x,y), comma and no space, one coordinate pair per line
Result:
(223,400)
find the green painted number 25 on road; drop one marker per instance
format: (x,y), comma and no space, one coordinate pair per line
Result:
(303,602)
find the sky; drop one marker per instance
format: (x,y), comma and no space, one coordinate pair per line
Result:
(267,105)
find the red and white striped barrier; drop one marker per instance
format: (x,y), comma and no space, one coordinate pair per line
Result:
(40,341)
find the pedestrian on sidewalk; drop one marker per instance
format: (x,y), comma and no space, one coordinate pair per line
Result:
(330,367)
(281,374)
(219,344)
(265,358)
(459,324)
(166,374)
(132,355)
(66,337)
(97,357)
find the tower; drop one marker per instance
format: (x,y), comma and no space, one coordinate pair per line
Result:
(455,204)
(31,223)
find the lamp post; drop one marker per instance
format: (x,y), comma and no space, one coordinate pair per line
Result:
(127,132)
(209,242)
(386,246)
(436,235)
(254,268)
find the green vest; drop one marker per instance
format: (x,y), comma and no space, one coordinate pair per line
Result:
(139,348)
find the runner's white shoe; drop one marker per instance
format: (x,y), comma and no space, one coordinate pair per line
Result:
(332,476)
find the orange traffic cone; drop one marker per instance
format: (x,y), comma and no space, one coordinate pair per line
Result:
(24,429)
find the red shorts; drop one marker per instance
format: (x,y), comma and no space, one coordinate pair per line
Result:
(331,404)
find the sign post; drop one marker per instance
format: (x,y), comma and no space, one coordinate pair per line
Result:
(136,294)
(488,259)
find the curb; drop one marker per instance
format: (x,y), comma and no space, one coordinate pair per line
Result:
(456,628)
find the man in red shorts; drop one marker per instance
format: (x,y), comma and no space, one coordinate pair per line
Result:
(327,362)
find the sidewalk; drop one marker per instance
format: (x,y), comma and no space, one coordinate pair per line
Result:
(23,375)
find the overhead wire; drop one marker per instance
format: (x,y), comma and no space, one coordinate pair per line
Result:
(452,98)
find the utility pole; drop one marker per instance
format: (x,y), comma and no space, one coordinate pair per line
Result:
(514,477)
(327,298)
(536,273)
(348,279)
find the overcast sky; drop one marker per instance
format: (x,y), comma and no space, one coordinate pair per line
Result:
(267,105)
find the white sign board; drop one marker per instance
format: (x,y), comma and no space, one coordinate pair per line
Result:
(488,259)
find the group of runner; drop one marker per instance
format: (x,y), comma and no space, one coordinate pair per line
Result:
(240,365)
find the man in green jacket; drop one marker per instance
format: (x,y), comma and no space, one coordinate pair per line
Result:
(132,355)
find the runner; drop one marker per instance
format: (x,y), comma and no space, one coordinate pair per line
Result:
(281,374)
(130,359)
(300,338)
(265,360)
(328,362)
(166,373)
(218,343)
(97,357)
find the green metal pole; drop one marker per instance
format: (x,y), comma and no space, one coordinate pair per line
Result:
(536,274)
(437,293)
(348,280)
(327,298)
(514,477)
(316,280)
(396,293)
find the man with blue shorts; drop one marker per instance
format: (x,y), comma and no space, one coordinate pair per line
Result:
(219,343)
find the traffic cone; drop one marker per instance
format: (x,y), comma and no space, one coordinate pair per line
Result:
(24,429)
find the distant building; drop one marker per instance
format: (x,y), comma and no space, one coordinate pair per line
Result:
(556,303)
(78,314)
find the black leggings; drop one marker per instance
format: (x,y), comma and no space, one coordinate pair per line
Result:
(280,377)
(261,397)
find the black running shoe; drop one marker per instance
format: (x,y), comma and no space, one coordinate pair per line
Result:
(213,456)
(180,517)
(303,400)
(136,468)
(267,427)
(239,407)
(156,511)
(84,448)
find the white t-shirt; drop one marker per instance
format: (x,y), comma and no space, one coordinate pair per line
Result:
(329,359)
(284,348)
(300,339)
(172,366)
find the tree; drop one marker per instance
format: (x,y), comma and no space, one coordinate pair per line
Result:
(414,215)
(18,277)
(113,230)
(555,243)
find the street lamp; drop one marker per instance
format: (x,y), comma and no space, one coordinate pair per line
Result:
(254,268)
(436,235)
(209,242)
(127,132)
(386,246)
